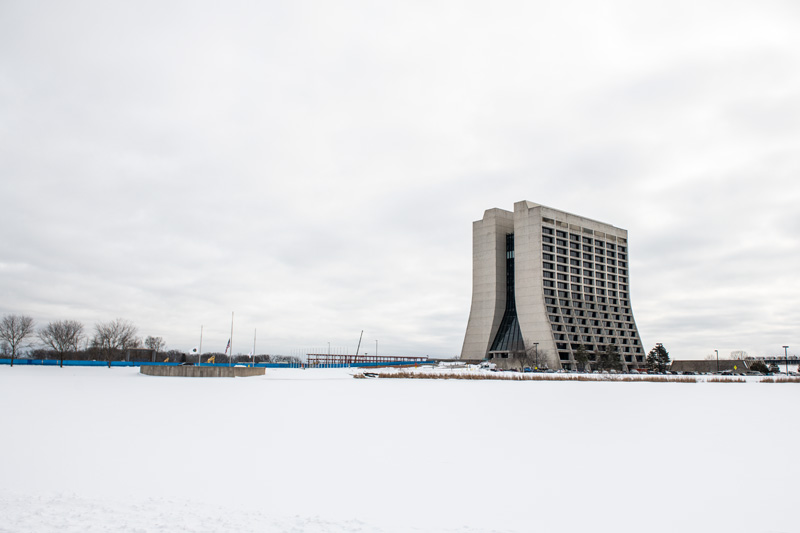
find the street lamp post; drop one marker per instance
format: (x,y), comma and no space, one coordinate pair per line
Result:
(376,349)
(786,356)
(717,360)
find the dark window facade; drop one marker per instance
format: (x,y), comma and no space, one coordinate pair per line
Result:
(598,255)
(509,336)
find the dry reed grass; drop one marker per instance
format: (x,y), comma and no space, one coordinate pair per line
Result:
(502,376)
(509,376)
(781,380)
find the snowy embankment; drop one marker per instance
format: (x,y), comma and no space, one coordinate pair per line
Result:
(315,450)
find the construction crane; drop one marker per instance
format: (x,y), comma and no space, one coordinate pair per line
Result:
(359,342)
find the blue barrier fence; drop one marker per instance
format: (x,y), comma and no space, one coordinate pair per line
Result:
(72,362)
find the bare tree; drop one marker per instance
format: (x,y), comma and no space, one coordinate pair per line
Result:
(525,358)
(62,336)
(533,356)
(119,334)
(156,344)
(174,356)
(14,329)
(738,354)
(291,359)
(545,358)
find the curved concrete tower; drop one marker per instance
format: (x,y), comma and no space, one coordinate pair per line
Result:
(548,282)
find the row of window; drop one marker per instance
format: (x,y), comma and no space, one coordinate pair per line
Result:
(610,333)
(588,342)
(576,249)
(581,325)
(573,269)
(555,319)
(588,274)
(559,331)
(583,239)
(576,287)
(592,312)
(589,299)
(586,263)
(629,356)
(591,349)
(587,290)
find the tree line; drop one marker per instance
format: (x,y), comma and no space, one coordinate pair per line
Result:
(114,340)
(657,359)
(609,358)
(63,337)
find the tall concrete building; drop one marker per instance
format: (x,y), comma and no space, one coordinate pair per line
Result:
(545,282)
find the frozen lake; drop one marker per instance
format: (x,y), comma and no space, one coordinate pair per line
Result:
(317,450)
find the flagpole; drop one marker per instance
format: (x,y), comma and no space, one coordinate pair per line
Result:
(254,346)
(200,351)
(230,359)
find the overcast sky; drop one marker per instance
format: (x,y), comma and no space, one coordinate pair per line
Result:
(315,167)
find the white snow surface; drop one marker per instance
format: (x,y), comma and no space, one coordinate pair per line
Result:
(98,449)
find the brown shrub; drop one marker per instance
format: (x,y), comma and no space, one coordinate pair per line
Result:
(726,380)
(781,380)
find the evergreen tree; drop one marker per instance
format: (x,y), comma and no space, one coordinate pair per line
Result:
(581,357)
(658,359)
(610,359)
(651,361)
(602,360)
(613,357)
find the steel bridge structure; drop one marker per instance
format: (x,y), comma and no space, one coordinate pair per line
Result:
(338,360)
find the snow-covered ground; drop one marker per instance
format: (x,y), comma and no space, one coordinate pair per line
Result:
(318,451)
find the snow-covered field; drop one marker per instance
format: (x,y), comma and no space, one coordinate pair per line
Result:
(318,451)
